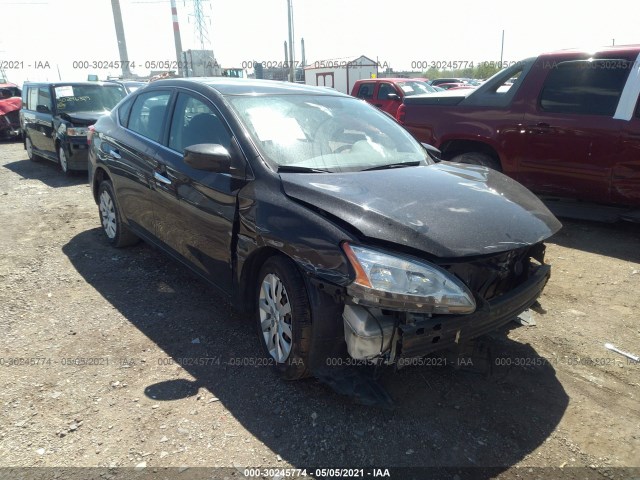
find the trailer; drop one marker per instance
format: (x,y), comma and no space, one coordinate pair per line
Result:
(340,74)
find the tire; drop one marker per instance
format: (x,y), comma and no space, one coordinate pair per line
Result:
(283,317)
(28,146)
(117,233)
(477,158)
(63,161)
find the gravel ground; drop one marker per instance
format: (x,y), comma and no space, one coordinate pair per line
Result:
(123,358)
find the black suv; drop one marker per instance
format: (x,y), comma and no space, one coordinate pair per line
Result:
(55,118)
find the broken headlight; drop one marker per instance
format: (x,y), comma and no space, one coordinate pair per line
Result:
(391,280)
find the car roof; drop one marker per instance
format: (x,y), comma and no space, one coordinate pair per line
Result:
(391,79)
(597,51)
(70,83)
(245,86)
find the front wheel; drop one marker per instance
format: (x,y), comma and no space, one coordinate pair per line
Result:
(28,146)
(284,317)
(118,234)
(62,160)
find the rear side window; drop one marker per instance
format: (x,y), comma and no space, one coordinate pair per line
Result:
(32,98)
(365,90)
(585,87)
(148,114)
(123,113)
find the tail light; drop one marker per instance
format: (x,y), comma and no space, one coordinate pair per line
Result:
(92,130)
(401,113)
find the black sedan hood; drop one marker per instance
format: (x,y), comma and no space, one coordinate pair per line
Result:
(82,118)
(446,209)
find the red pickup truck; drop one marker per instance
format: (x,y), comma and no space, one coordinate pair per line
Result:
(564,124)
(387,93)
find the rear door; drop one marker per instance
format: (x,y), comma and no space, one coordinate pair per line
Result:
(572,136)
(132,157)
(196,209)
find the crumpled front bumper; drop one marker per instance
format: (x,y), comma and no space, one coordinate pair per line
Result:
(393,335)
(439,333)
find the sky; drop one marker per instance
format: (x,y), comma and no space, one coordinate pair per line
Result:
(46,39)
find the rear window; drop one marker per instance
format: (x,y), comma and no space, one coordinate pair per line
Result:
(587,87)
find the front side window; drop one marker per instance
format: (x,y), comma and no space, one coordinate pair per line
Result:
(325,133)
(148,113)
(384,90)
(44,98)
(588,87)
(87,98)
(194,122)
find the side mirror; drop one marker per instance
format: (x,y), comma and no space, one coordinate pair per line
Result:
(43,109)
(393,96)
(433,152)
(208,156)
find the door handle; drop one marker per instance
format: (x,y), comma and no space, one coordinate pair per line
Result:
(115,154)
(539,128)
(161,178)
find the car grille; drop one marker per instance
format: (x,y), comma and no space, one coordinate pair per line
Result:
(492,276)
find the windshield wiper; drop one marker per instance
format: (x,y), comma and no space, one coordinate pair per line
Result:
(299,169)
(393,165)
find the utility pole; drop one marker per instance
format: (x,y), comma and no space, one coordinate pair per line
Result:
(292,71)
(122,44)
(501,49)
(176,37)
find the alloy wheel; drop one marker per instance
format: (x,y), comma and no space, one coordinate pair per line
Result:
(275,317)
(108,215)
(63,160)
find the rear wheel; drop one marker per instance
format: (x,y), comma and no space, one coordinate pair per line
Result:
(118,234)
(283,316)
(477,158)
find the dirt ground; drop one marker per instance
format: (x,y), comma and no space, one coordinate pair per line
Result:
(123,358)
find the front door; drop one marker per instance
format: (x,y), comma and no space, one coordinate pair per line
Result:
(387,98)
(196,209)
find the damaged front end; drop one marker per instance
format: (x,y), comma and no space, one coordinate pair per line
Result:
(400,308)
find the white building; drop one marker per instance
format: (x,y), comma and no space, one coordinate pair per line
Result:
(340,74)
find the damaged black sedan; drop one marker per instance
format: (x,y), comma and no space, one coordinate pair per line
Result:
(321,216)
